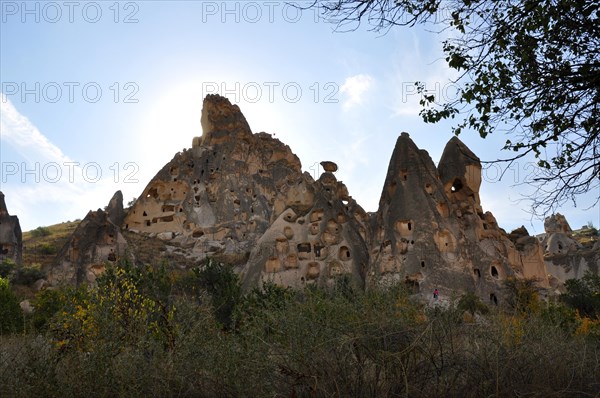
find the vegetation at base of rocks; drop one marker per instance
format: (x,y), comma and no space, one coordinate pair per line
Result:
(27,276)
(144,331)
(7,266)
(584,294)
(11,318)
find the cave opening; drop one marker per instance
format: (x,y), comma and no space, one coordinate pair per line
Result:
(457,185)
(494,271)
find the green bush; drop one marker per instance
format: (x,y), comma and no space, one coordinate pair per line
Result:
(47,249)
(6,267)
(27,275)
(41,231)
(11,316)
(584,294)
(225,289)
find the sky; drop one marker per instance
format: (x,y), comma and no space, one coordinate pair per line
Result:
(97,96)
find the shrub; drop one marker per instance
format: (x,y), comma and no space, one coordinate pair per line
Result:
(584,294)
(11,317)
(41,231)
(6,267)
(28,275)
(225,289)
(47,249)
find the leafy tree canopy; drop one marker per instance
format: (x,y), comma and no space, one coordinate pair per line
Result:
(530,69)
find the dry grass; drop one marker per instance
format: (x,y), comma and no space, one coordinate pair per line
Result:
(33,252)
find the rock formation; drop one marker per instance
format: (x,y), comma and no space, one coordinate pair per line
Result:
(565,257)
(243,199)
(431,232)
(11,241)
(95,242)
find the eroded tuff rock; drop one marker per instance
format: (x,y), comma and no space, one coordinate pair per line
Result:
(243,199)
(565,257)
(95,242)
(11,240)
(430,229)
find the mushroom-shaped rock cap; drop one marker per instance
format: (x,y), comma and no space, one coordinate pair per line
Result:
(329,166)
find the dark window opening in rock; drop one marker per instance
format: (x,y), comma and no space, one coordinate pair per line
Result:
(4,251)
(404,174)
(197,198)
(145,214)
(201,172)
(167,219)
(197,234)
(456,185)
(412,242)
(112,256)
(251,209)
(422,264)
(493,298)
(153,193)
(212,170)
(318,250)
(148,223)
(446,243)
(413,286)
(304,247)
(409,226)
(344,253)
(560,246)
(485,226)
(168,208)
(477,272)
(236,201)
(494,272)
(126,226)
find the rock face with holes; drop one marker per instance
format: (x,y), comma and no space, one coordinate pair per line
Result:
(242,198)
(11,242)
(95,242)
(430,230)
(567,258)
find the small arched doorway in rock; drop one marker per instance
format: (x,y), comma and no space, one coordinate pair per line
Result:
(493,298)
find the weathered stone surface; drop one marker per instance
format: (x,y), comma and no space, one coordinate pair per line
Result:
(243,199)
(431,232)
(565,257)
(95,242)
(557,223)
(115,211)
(329,166)
(11,240)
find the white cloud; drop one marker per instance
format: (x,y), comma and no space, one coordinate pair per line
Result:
(24,137)
(70,192)
(355,87)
